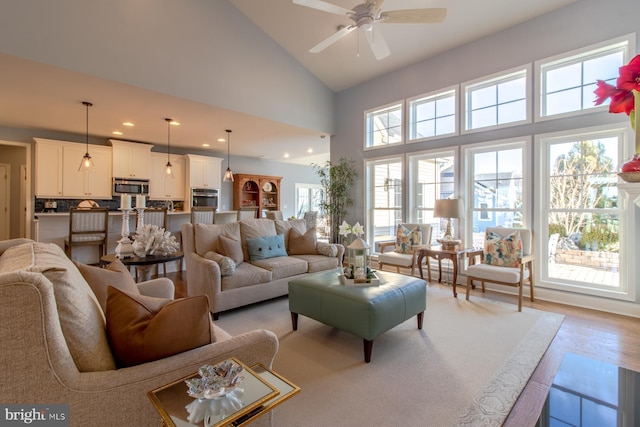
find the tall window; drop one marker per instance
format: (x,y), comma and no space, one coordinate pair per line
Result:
(579,218)
(431,177)
(567,81)
(498,100)
(496,173)
(383,126)
(433,115)
(383,199)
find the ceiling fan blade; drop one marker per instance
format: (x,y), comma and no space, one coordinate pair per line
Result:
(377,43)
(324,6)
(414,16)
(332,39)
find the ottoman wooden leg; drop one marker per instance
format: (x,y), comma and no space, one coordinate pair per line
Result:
(294,320)
(368,345)
(420,319)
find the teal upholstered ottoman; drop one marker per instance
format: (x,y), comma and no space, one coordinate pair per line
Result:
(365,311)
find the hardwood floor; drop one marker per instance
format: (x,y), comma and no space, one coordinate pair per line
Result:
(602,336)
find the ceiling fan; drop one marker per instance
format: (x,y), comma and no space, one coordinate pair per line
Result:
(365,16)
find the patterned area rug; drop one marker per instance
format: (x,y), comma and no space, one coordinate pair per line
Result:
(467,365)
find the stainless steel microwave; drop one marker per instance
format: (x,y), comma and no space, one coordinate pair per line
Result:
(130,186)
(205,197)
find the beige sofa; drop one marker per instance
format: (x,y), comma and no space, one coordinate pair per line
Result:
(257,280)
(44,361)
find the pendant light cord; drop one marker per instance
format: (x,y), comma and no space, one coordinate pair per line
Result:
(168,141)
(87,104)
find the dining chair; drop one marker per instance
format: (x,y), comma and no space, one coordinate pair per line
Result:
(404,254)
(247,213)
(88,227)
(203,215)
(275,215)
(310,219)
(506,259)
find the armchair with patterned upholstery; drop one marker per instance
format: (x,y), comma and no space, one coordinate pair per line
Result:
(507,259)
(404,253)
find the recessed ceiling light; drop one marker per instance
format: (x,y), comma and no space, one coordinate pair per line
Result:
(309,150)
(222,140)
(286,155)
(116,132)
(206,145)
(128,124)
(174,123)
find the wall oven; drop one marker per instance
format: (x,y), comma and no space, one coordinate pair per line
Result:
(205,197)
(130,186)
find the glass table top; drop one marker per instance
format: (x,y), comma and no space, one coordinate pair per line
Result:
(589,393)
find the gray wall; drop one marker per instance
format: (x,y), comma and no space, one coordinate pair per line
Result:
(575,26)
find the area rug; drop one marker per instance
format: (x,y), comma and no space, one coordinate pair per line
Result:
(467,366)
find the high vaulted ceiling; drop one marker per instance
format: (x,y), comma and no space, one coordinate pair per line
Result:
(296,29)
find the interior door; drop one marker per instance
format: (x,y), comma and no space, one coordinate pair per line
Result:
(4,201)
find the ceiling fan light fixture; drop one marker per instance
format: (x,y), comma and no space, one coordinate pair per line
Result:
(86,164)
(228,175)
(168,168)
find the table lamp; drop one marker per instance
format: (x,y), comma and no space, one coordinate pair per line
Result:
(448,208)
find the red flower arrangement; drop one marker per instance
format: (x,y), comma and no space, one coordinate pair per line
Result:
(622,93)
(624,97)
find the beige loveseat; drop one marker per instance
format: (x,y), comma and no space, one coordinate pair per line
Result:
(252,280)
(54,349)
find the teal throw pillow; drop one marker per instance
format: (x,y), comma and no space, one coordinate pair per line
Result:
(266,247)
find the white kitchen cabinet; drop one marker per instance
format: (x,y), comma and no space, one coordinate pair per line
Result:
(49,168)
(161,188)
(94,185)
(204,171)
(131,159)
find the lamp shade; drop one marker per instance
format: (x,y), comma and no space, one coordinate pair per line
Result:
(448,208)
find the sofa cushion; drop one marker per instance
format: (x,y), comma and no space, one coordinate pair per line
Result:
(231,248)
(302,243)
(407,238)
(503,251)
(81,318)
(266,247)
(250,228)
(284,266)
(142,329)
(327,249)
(285,227)
(206,235)
(116,274)
(246,275)
(318,262)
(226,264)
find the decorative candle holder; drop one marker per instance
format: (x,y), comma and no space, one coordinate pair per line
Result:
(140,223)
(125,245)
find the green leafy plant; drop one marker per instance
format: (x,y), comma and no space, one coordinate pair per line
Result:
(337,180)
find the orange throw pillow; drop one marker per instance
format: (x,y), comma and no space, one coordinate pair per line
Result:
(143,329)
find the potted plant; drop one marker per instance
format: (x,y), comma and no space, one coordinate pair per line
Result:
(337,180)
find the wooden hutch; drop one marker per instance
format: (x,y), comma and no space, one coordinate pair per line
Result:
(261,192)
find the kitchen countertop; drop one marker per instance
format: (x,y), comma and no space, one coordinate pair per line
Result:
(115,213)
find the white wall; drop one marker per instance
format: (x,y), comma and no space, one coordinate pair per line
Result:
(202,50)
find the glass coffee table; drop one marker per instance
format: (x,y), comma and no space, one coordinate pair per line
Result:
(586,392)
(259,392)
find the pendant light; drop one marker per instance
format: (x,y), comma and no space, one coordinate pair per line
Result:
(228,175)
(86,164)
(168,169)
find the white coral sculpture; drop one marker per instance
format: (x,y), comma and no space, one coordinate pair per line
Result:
(154,240)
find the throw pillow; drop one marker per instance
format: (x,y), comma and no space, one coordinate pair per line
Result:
(116,274)
(231,248)
(503,251)
(406,239)
(226,264)
(143,329)
(327,249)
(266,247)
(302,243)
